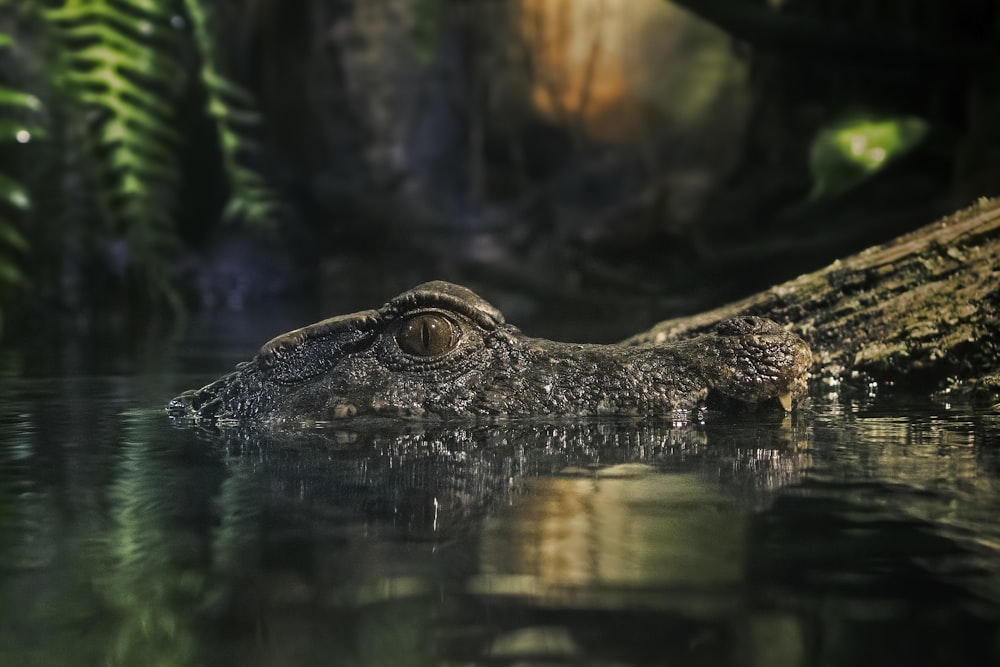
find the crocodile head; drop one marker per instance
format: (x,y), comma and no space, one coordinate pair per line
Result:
(439,351)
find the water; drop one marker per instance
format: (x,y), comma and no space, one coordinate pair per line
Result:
(857,532)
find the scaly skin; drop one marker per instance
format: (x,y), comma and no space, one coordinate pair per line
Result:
(439,351)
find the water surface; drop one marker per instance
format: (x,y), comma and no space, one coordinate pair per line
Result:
(857,532)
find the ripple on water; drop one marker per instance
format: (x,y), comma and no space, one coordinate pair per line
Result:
(851,533)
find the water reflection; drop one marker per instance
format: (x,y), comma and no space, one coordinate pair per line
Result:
(424,480)
(622,536)
(847,535)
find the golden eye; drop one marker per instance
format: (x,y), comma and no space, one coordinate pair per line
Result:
(426,335)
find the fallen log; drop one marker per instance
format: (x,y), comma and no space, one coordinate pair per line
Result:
(920,312)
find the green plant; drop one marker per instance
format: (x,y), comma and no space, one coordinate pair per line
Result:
(121,58)
(856,145)
(426,31)
(117,73)
(115,65)
(15,107)
(232,108)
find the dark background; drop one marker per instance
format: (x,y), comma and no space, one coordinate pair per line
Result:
(577,162)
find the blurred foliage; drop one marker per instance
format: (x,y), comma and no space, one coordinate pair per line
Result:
(116,63)
(426,32)
(233,109)
(856,145)
(114,74)
(16,111)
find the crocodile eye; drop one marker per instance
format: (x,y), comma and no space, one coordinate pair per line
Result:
(426,335)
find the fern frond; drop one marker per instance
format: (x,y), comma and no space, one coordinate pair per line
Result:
(11,238)
(15,130)
(13,195)
(233,108)
(17,99)
(119,62)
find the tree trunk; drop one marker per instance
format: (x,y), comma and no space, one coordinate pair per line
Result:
(922,311)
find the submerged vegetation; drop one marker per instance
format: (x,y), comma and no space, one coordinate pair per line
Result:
(113,75)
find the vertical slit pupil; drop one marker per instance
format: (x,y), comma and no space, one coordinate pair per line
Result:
(426,335)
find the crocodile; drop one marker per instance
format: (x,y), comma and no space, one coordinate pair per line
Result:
(439,351)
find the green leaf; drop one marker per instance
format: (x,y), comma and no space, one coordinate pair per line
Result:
(15,98)
(426,31)
(119,65)
(11,237)
(149,6)
(120,58)
(16,131)
(851,148)
(13,193)
(223,112)
(232,105)
(222,86)
(10,274)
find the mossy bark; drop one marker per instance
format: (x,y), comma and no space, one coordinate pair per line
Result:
(922,311)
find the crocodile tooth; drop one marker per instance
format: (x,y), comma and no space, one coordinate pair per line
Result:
(786,401)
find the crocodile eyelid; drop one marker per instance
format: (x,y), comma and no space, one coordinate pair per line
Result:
(447,297)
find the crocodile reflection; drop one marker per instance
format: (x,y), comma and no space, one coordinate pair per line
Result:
(425,478)
(439,351)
